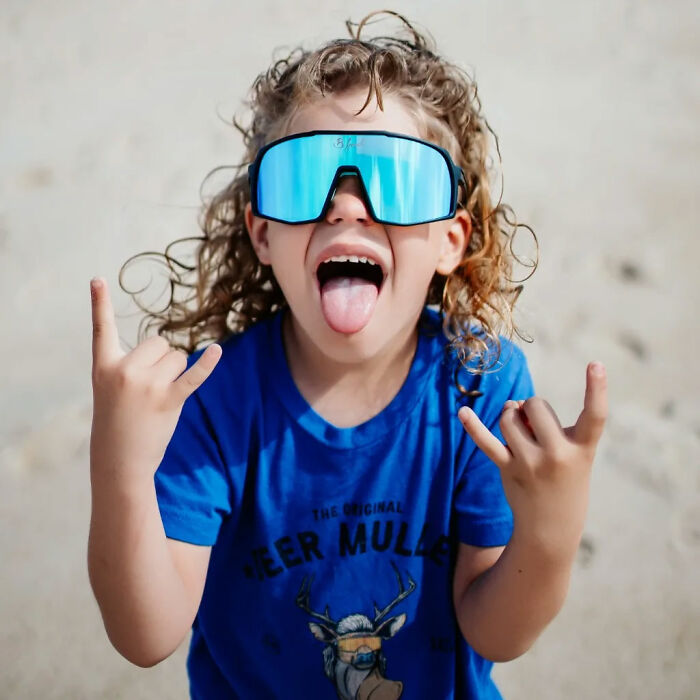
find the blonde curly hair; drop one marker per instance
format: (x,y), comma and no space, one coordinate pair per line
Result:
(230,289)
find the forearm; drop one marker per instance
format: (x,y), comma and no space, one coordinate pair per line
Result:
(140,593)
(503,611)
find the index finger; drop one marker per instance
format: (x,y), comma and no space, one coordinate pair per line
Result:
(485,440)
(590,423)
(105,337)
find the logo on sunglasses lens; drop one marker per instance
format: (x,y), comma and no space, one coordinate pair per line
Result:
(347,142)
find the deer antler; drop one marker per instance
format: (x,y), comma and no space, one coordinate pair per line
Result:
(403,593)
(303,603)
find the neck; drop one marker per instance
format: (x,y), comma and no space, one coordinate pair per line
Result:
(347,393)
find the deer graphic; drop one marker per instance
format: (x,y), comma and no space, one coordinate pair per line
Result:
(353,658)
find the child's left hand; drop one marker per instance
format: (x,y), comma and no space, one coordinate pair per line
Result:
(545,468)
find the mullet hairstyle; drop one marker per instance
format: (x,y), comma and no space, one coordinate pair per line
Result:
(229,290)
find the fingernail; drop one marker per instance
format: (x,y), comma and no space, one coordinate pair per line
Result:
(95,283)
(598,369)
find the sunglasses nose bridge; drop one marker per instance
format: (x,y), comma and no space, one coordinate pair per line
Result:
(345,170)
(348,181)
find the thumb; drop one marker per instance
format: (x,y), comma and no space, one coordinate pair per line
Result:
(190,380)
(485,440)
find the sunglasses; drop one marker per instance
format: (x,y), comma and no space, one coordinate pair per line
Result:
(352,644)
(405,180)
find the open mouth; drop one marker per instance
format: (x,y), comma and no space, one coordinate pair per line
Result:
(350,266)
(349,287)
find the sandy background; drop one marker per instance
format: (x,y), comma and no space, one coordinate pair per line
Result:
(109,123)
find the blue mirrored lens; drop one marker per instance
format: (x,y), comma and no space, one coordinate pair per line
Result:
(294,179)
(407,181)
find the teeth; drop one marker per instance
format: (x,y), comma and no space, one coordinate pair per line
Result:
(350,258)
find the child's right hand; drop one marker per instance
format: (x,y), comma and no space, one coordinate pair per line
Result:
(137,397)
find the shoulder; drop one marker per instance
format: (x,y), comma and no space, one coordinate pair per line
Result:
(251,343)
(239,369)
(486,382)
(505,360)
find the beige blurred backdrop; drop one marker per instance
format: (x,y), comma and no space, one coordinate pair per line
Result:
(111,115)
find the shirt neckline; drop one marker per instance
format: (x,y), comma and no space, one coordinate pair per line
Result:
(387,420)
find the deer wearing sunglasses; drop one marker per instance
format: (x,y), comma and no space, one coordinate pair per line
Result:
(353,658)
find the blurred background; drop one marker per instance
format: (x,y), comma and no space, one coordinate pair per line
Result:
(112,114)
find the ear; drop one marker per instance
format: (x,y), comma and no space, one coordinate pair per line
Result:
(390,627)
(257,231)
(454,243)
(322,633)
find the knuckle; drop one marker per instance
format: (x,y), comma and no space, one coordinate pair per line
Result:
(530,463)
(190,379)
(149,389)
(536,402)
(161,341)
(528,473)
(128,377)
(178,362)
(182,356)
(508,415)
(156,342)
(558,457)
(523,471)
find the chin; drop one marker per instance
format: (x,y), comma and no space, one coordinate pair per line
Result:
(350,348)
(379,336)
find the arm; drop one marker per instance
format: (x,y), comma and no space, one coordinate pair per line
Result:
(504,599)
(148,587)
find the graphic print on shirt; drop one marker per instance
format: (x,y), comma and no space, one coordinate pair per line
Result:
(353,658)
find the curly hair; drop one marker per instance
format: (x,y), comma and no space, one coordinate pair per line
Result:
(230,289)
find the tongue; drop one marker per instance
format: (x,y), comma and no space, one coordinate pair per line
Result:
(348,303)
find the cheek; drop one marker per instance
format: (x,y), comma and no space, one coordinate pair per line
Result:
(287,253)
(411,289)
(416,265)
(289,277)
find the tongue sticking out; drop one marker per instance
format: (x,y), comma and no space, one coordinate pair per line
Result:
(348,303)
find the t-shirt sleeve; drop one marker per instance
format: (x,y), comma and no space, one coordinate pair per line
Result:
(484,518)
(192,483)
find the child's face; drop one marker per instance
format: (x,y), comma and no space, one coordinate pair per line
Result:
(348,320)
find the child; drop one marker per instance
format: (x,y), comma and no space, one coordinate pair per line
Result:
(301,493)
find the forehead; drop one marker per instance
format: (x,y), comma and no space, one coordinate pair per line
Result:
(337,111)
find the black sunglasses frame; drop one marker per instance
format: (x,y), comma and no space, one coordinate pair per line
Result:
(456,175)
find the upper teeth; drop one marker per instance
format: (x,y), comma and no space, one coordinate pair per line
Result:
(349,258)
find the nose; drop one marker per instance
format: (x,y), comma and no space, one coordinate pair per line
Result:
(348,203)
(364,658)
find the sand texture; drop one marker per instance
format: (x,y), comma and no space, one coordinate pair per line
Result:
(111,115)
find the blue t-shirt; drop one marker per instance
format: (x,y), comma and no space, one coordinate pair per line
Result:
(333,549)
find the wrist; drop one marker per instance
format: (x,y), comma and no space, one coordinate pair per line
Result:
(109,483)
(551,527)
(546,546)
